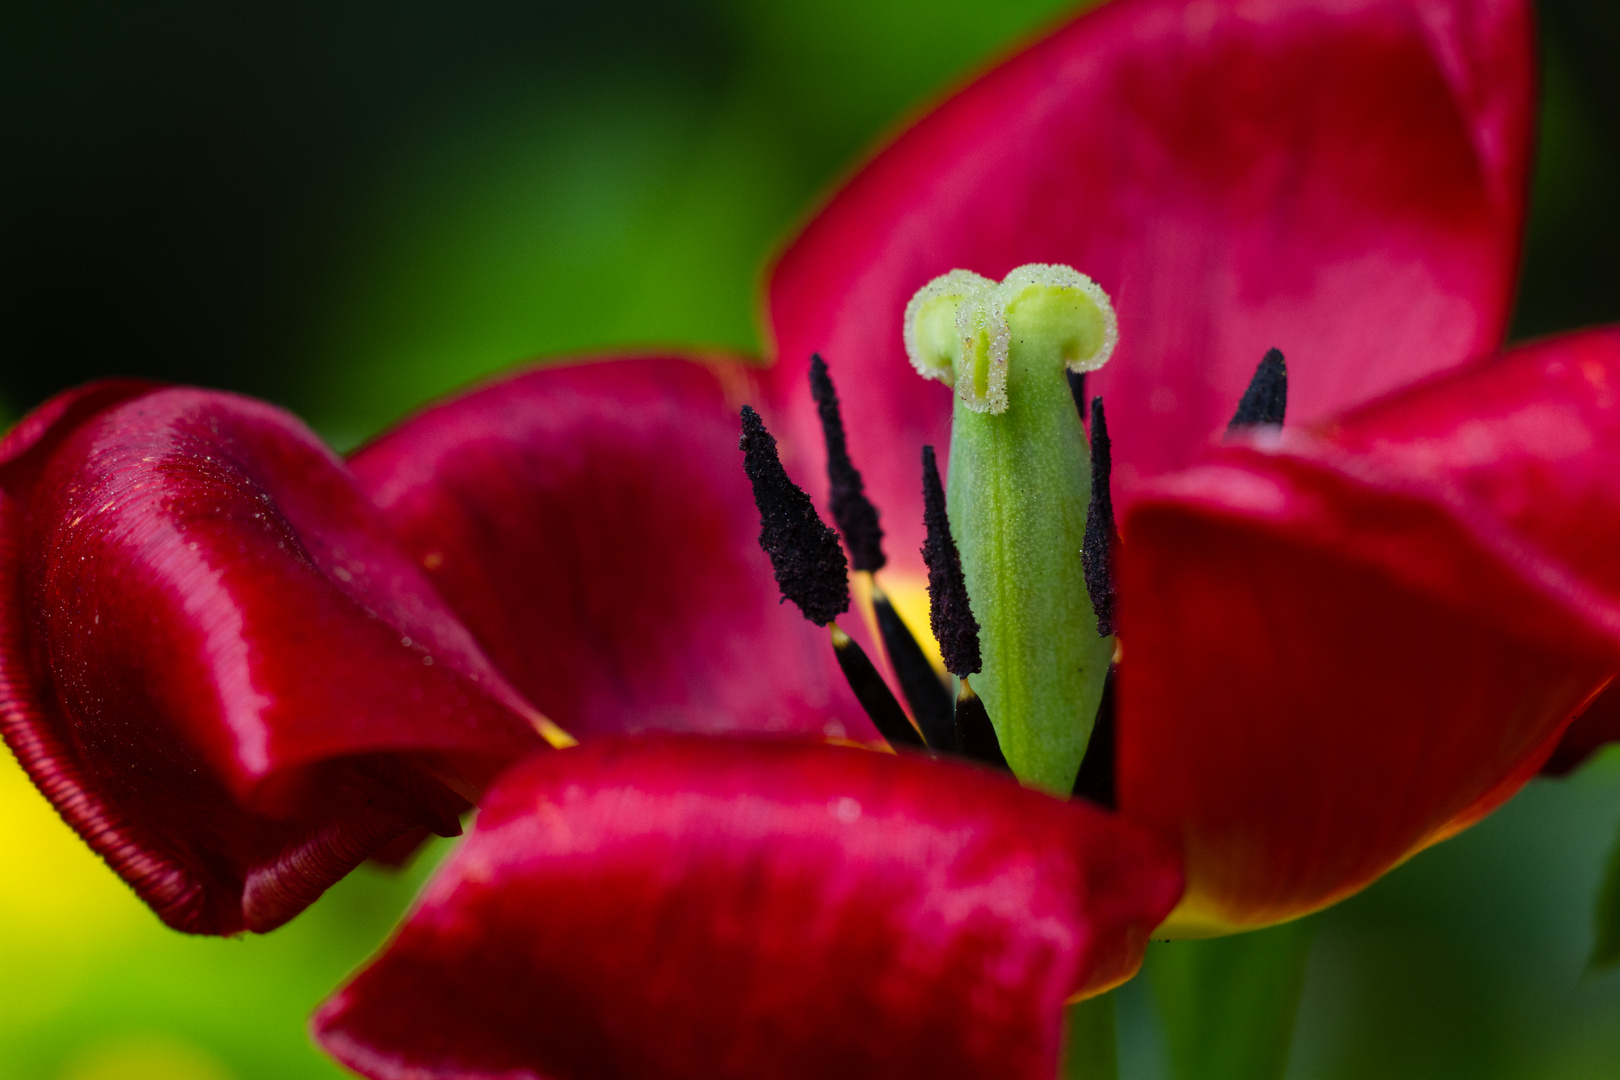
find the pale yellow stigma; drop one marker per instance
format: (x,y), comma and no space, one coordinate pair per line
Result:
(960,328)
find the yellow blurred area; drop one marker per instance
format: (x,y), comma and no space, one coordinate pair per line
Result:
(60,905)
(146,1058)
(50,881)
(94,987)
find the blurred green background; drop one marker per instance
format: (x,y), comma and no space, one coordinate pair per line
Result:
(351,208)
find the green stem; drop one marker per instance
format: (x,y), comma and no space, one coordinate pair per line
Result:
(1606,924)
(1228,1004)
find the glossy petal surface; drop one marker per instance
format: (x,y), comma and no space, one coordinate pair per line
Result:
(675,907)
(1341,179)
(1347,646)
(592,525)
(216,664)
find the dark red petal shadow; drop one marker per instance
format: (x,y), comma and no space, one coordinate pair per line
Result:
(1343,180)
(676,907)
(215,663)
(1348,646)
(1595,728)
(592,525)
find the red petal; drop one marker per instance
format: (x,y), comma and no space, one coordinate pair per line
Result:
(593,527)
(699,908)
(215,664)
(1342,180)
(1347,647)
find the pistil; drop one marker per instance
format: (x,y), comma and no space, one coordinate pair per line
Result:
(1017,496)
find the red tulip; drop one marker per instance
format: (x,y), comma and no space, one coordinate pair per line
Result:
(1345,182)
(1340,644)
(227,662)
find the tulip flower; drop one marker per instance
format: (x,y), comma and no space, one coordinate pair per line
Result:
(1343,182)
(1339,642)
(229,662)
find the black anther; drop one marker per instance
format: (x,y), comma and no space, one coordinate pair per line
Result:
(1266,399)
(1097,546)
(852,511)
(809,563)
(950,615)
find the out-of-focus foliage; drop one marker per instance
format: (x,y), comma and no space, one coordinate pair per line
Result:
(352,207)
(1227,1005)
(1606,929)
(95,988)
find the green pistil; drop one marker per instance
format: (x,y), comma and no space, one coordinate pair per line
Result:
(1019,484)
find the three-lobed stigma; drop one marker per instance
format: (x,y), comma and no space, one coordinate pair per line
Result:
(961,328)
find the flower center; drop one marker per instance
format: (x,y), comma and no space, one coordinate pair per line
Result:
(1020,548)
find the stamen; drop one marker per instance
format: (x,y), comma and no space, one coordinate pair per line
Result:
(1096,779)
(857,519)
(852,511)
(975,734)
(1077,390)
(950,615)
(805,554)
(1097,547)
(1266,399)
(930,701)
(873,693)
(954,625)
(811,571)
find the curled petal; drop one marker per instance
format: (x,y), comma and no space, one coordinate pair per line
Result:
(215,663)
(674,907)
(1342,180)
(1349,645)
(593,526)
